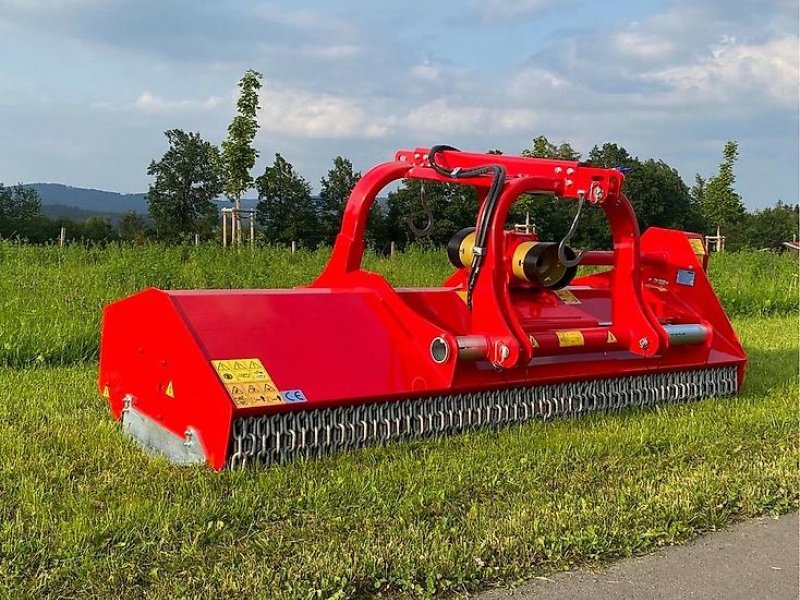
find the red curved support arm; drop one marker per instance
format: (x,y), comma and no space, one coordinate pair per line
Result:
(348,250)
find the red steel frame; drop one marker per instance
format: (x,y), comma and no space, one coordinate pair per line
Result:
(350,337)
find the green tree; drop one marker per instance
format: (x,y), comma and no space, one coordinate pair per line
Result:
(722,207)
(285,209)
(98,229)
(335,189)
(20,211)
(541,147)
(770,227)
(238,155)
(187,181)
(132,227)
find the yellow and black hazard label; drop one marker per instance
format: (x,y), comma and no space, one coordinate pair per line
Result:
(570,338)
(244,370)
(611,338)
(567,297)
(253,394)
(247,382)
(697,246)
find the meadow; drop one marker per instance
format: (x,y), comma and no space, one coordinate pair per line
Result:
(85,513)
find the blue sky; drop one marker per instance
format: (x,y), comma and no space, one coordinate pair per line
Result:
(87,87)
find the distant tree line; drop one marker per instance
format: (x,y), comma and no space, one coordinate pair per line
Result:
(193,174)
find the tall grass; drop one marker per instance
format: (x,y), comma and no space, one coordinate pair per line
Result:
(84,513)
(51,299)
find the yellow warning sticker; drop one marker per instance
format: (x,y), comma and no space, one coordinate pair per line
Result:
(247,382)
(462,294)
(169,391)
(254,394)
(570,338)
(567,297)
(106,393)
(245,370)
(611,339)
(534,343)
(697,246)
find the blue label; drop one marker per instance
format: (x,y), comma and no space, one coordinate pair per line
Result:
(293,396)
(685,277)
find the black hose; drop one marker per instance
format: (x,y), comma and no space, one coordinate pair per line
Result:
(486,213)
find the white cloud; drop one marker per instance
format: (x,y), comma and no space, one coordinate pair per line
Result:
(734,72)
(150,103)
(299,113)
(493,10)
(442,118)
(427,71)
(333,51)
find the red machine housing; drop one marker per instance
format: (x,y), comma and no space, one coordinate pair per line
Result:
(193,361)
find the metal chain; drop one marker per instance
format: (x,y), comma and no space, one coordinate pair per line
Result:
(275,439)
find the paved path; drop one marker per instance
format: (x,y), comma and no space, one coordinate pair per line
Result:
(752,560)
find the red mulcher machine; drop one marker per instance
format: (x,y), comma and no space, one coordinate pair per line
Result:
(237,377)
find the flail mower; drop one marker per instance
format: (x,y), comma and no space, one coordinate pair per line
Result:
(237,377)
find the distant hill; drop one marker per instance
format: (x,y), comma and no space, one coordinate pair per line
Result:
(96,201)
(59,200)
(55,211)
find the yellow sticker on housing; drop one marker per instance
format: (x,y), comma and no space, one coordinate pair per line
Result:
(253,394)
(247,382)
(567,297)
(170,391)
(697,246)
(462,294)
(534,343)
(611,339)
(569,338)
(106,393)
(244,370)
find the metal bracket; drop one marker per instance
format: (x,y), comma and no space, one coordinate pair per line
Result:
(157,439)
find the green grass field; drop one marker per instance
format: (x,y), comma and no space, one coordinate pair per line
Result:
(84,513)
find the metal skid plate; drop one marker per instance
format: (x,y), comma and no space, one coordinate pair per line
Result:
(158,440)
(279,438)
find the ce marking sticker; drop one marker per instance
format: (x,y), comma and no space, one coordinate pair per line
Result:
(292,396)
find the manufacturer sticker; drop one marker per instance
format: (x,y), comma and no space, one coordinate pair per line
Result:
(685,277)
(570,338)
(567,297)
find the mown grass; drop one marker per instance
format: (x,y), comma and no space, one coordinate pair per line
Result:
(51,300)
(84,513)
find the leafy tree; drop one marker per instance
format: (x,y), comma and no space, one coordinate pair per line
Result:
(238,154)
(722,207)
(20,211)
(98,229)
(187,180)
(132,227)
(335,189)
(541,147)
(770,227)
(285,209)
